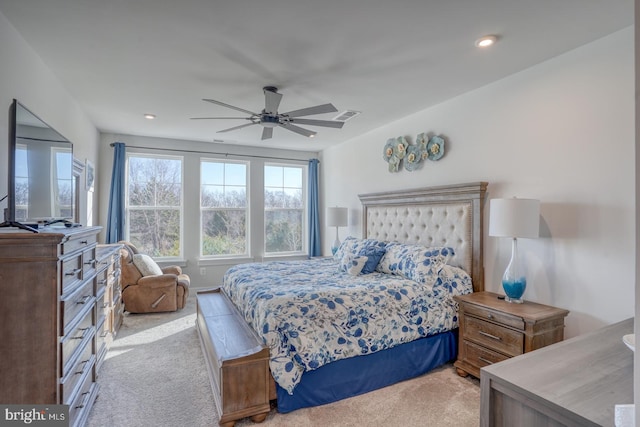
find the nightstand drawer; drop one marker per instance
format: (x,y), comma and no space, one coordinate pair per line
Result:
(480,356)
(494,336)
(494,316)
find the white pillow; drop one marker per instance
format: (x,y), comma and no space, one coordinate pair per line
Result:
(146,265)
(352,264)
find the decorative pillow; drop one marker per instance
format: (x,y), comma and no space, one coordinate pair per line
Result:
(414,262)
(428,263)
(352,264)
(345,247)
(146,265)
(374,255)
(353,246)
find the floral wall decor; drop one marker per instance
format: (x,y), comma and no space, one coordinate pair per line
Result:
(398,149)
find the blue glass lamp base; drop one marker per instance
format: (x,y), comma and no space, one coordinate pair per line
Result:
(514,289)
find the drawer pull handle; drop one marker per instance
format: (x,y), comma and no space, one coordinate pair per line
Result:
(83,332)
(90,262)
(84,299)
(482,359)
(493,337)
(73,272)
(489,316)
(84,242)
(84,400)
(81,365)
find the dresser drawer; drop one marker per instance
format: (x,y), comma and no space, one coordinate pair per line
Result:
(494,316)
(494,336)
(82,401)
(83,365)
(71,272)
(73,345)
(78,242)
(480,356)
(73,303)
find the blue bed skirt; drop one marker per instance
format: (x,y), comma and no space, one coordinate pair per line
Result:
(357,375)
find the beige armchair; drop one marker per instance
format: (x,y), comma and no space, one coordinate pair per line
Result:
(147,288)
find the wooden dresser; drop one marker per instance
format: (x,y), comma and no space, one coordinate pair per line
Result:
(492,330)
(576,382)
(109,306)
(48,318)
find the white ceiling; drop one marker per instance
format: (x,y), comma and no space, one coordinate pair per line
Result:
(122,58)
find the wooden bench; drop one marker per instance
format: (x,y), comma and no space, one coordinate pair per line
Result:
(236,359)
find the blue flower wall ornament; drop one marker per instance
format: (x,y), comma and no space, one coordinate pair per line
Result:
(413,160)
(398,149)
(435,148)
(394,151)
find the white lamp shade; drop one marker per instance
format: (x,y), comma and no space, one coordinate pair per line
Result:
(514,218)
(337,217)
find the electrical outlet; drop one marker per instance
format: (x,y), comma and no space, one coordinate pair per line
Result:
(203,271)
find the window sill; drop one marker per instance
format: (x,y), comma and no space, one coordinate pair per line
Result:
(205,262)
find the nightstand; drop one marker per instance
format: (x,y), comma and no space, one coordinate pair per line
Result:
(492,330)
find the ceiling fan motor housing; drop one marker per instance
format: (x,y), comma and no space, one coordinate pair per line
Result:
(269,121)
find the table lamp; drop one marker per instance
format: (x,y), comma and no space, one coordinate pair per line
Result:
(337,217)
(514,218)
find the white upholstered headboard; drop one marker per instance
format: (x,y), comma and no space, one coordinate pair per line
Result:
(449,215)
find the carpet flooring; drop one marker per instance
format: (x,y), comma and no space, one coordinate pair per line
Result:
(154,375)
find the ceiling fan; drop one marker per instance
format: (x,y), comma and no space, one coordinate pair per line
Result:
(269,118)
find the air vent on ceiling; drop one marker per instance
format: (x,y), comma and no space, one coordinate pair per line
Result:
(346,115)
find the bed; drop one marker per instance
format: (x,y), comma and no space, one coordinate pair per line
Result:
(333,334)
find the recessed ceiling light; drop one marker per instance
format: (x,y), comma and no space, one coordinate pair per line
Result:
(149,116)
(486,41)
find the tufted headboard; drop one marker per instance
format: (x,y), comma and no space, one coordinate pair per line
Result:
(449,215)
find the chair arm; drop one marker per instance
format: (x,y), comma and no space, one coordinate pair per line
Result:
(172,269)
(158,281)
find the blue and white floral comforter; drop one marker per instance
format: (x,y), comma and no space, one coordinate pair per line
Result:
(309,313)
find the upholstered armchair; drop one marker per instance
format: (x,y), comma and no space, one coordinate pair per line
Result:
(147,288)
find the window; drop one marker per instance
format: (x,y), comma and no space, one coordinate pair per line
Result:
(284,209)
(223,208)
(154,204)
(63,182)
(22,183)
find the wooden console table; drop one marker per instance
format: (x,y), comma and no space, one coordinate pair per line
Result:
(576,382)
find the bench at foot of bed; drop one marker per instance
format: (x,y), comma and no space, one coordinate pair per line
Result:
(237,362)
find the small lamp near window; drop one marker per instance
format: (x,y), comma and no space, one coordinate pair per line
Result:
(337,217)
(514,218)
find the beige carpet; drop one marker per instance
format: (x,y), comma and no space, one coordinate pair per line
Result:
(154,375)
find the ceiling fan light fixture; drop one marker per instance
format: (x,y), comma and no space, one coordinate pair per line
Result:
(486,41)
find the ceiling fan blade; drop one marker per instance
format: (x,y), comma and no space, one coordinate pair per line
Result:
(326,123)
(236,127)
(222,118)
(213,101)
(271,101)
(267,133)
(298,129)
(309,111)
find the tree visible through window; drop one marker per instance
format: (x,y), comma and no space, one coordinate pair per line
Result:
(154,204)
(223,208)
(284,208)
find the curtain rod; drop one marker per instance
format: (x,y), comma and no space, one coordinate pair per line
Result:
(213,152)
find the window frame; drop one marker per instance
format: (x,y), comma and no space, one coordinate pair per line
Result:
(247,253)
(180,208)
(305,211)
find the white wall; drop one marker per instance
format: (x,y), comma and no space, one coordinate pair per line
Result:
(561,132)
(25,77)
(191,151)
